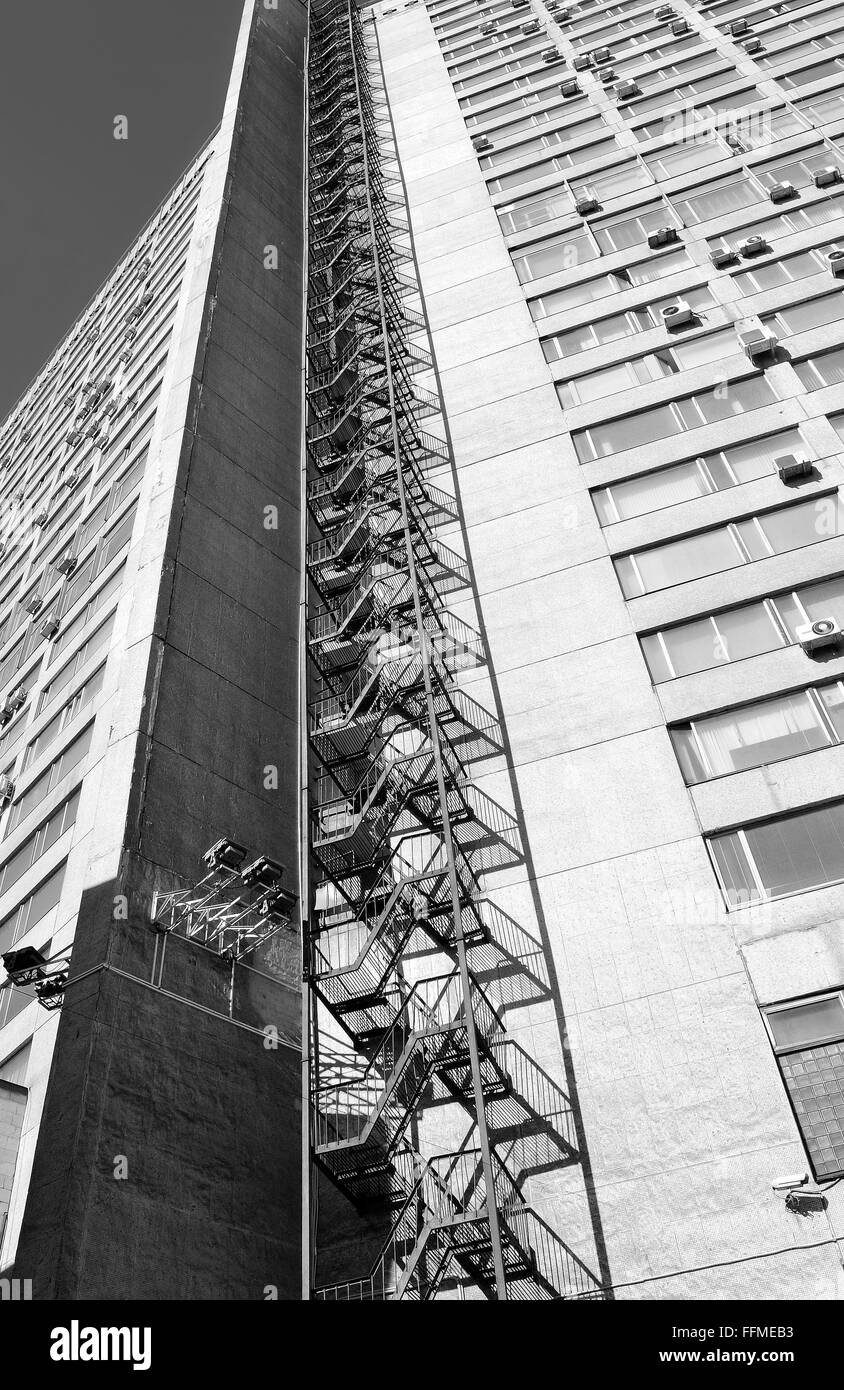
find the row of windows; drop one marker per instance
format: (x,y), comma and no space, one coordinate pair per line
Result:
(750,629)
(726,547)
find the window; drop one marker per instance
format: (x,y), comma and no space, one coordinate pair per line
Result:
(684,155)
(557,253)
(737,633)
(812,313)
(588,291)
(617,326)
(70,634)
(715,199)
(80,701)
(785,272)
(49,780)
(38,843)
(542,169)
(832,68)
(687,413)
(653,366)
(33,910)
(791,854)
(827,369)
(695,478)
(725,547)
(765,731)
(620,232)
(808,1041)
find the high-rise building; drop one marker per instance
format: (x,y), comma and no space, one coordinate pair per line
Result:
(423,660)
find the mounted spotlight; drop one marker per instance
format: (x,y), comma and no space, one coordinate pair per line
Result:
(25,966)
(278,901)
(225,854)
(263,873)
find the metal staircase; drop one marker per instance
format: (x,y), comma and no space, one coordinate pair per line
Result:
(405,953)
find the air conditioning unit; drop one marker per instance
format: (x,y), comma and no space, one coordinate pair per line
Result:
(664,12)
(752,246)
(606,75)
(627,89)
(74,437)
(822,178)
(41,518)
(50,627)
(752,46)
(71,478)
(519,4)
(835,259)
(14,701)
(600,55)
(584,206)
(147,299)
(757,342)
(581,62)
(125,356)
(111,407)
(481,143)
(663,236)
(739,26)
(674,315)
(680,26)
(532,27)
(781,192)
(570,87)
(33,605)
(66,565)
(552,55)
(490,27)
(823,632)
(7,790)
(790,466)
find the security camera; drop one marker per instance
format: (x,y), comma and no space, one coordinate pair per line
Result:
(794,1180)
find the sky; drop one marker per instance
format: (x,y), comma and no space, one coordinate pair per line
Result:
(72,198)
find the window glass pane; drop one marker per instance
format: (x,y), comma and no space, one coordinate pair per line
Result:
(655,657)
(710,348)
(804,524)
(799,852)
(807,1023)
(690,558)
(738,396)
(647,271)
(716,200)
(628,433)
(823,600)
(758,734)
(833,700)
(655,490)
(734,869)
(827,370)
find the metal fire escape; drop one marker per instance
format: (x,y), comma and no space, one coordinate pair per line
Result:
(405,957)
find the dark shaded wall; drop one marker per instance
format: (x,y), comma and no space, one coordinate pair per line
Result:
(148,1065)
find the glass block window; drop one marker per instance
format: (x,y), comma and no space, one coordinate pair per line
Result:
(808,1039)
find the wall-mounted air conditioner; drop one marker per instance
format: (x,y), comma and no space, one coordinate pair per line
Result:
(781,192)
(481,143)
(835,259)
(680,26)
(823,632)
(663,236)
(752,245)
(7,790)
(581,62)
(570,87)
(752,46)
(791,466)
(552,55)
(757,342)
(33,605)
(664,12)
(739,26)
(584,206)
(627,89)
(65,565)
(41,518)
(606,75)
(601,55)
(50,627)
(822,178)
(675,315)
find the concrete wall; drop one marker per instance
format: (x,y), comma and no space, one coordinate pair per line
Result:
(684,1116)
(160,1068)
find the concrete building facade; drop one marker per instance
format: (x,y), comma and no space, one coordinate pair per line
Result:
(455,521)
